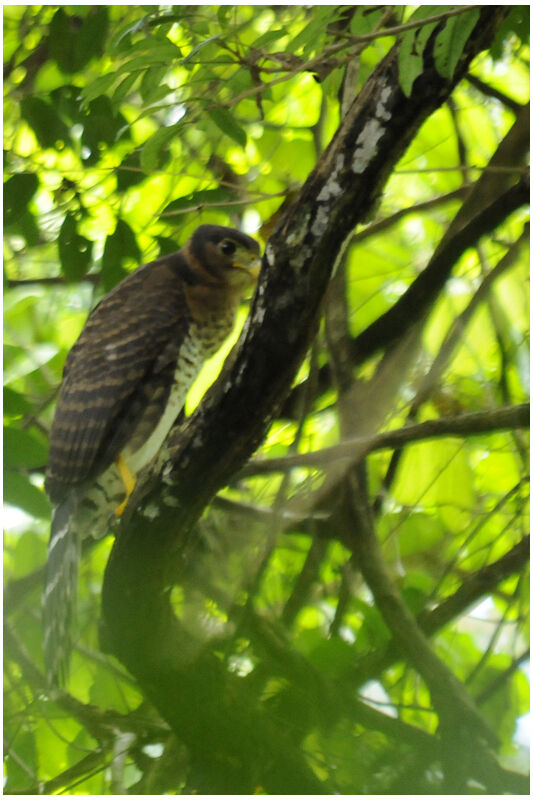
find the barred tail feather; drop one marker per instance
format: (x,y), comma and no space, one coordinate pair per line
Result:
(60,590)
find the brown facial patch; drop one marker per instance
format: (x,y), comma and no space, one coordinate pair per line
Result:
(221,285)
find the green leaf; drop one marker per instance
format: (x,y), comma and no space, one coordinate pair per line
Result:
(517,23)
(373,633)
(26,755)
(224,120)
(450,42)
(18,191)
(68,104)
(269,37)
(365,20)
(418,533)
(152,82)
(154,153)
(19,362)
(222,14)
(166,245)
(30,552)
(154,94)
(24,449)
(445,480)
(121,40)
(129,172)
(16,405)
(20,492)
(74,40)
(26,227)
(121,246)
(414,598)
(92,36)
(45,122)
(99,86)
(62,41)
(102,128)
(309,38)
(199,198)
(101,125)
(124,88)
(201,46)
(333,657)
(75,251)
(160,53)
(158,46)
(411,50)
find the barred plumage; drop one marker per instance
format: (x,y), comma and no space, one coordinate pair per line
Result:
(124,384)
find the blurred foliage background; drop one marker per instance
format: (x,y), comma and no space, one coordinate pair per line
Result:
(124,128)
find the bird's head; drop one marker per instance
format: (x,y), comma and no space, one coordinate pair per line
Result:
(224,256)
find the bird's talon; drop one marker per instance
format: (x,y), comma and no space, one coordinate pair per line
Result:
(119,510)
(128,479)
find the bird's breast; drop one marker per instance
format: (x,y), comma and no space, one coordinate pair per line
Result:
(158,418)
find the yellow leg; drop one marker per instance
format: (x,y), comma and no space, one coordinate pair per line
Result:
(128,479)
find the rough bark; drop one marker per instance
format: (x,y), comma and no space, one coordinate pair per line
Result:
(489,201)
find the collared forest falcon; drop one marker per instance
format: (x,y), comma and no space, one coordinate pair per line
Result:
(124,384)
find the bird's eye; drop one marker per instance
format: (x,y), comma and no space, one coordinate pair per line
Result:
(228,247)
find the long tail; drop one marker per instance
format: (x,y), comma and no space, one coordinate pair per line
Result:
(60,590)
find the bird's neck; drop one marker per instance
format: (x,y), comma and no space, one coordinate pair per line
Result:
(212,301)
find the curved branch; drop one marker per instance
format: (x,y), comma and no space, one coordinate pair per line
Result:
(463,730)
(421,294)
(472,424)
(481,212)
(491,91)
(472,589)
(385,223)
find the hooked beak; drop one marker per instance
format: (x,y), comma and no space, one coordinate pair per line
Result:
(249,263)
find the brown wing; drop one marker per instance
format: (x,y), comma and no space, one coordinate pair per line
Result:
(124,356)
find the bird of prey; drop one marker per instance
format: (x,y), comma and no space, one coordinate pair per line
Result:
(124,384)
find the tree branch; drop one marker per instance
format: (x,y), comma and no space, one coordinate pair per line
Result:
(421,294)
(475,586)
(472,424)
(141,626)
(483,211)
(427,749)
(472,589)
(463,730)
(502,678)
(384,224)
(491,91)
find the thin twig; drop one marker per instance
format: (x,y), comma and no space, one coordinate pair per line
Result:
(472,424)
(308,66)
